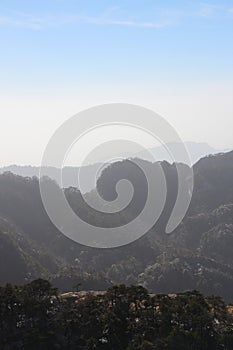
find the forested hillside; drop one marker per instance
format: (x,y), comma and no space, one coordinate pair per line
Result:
(197,255)
(35,316)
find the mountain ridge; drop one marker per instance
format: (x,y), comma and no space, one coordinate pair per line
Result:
(197,254)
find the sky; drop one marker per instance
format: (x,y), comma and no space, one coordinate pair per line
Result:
(60,57)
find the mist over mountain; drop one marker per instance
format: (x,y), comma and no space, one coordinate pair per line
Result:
(197,255)
(70,174)
(196,151)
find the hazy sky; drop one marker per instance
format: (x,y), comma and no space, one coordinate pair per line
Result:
(58,57)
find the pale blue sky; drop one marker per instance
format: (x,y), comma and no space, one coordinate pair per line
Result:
(58,57)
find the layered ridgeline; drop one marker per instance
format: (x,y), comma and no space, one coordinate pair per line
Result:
(69,173)
(197,255)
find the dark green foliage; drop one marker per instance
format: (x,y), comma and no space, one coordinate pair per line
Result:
(35,317)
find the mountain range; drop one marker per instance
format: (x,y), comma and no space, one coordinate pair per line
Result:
(197,255)
(70,173)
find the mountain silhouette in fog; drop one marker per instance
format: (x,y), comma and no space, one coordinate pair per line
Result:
(196,151)
(70,173)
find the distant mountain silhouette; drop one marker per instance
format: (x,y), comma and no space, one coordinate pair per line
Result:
(70,174)
(196,151)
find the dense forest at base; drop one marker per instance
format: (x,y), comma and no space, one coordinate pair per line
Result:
(35,316)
